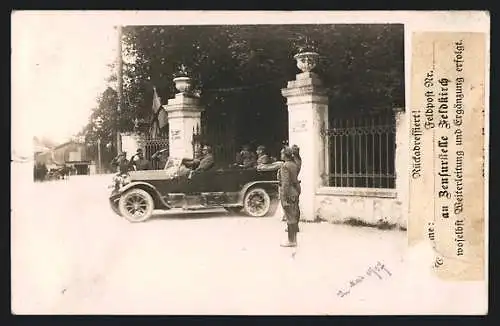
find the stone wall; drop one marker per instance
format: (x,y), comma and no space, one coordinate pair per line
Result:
(372,206)
(361,206)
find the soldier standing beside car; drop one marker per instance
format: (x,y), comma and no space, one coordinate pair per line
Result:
(121,163)
(140,162)
(289,195)
(298,160)
(296,157)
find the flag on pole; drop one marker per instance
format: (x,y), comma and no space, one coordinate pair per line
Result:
(159,115)
(156,101)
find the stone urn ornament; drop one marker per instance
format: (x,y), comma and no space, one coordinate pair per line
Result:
(183,82)
(306,61)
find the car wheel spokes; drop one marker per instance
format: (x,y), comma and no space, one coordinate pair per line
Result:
(256,203)
(136,205)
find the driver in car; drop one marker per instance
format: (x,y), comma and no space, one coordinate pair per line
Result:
(207,161)
(183,169)
(193,163)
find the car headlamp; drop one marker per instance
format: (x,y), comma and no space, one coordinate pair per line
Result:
(125,179)
(119,181)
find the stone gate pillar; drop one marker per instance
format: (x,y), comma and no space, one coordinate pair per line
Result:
(184,116)
(307,102)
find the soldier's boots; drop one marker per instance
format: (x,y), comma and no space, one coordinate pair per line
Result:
(296,228)
(292,236)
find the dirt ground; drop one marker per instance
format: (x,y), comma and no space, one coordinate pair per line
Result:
(72,255)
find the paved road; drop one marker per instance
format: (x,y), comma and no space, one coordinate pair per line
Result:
(71,254)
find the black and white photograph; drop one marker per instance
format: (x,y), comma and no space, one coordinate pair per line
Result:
(227,168)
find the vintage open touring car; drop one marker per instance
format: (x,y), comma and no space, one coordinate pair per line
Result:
(252,191)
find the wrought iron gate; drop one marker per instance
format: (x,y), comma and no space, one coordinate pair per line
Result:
(153,145)
(217,133)
(362,150)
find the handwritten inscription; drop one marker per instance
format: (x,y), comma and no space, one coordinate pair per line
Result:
(379,271)
(175,134)
(300,126)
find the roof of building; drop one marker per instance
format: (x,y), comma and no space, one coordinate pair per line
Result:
(65,144)
(40,148)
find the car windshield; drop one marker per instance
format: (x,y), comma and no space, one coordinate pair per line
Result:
(172,163)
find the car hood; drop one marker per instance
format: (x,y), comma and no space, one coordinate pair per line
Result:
(150,175)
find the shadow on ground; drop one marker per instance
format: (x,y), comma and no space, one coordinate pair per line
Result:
(194,215)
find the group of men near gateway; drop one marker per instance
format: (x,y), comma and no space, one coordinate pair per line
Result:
(287,175)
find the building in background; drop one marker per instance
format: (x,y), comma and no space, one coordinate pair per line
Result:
(71,154)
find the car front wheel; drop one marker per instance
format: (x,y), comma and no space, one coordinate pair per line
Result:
(257,202)
(114,207)
(136,205)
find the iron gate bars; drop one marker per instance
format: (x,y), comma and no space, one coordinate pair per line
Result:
(151,146)
(362,150)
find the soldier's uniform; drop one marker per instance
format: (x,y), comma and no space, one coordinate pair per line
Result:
(289,188)
(262,157)
(296,157)
(207,162)
(139,162)
(298,161)
(121,163)
(143,164)
(245,158)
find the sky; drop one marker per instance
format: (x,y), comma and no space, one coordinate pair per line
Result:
(59,67)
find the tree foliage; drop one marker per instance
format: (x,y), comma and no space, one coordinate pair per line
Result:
(361,65)
(106,112)
(240,70)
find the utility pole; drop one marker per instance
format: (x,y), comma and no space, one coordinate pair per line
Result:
(99,155)
(98,125)
(120,88)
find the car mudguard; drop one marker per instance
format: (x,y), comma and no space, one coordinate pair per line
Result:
(252,184)
(147,187)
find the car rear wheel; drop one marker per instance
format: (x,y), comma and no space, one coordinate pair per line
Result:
(136,205)
(257,202)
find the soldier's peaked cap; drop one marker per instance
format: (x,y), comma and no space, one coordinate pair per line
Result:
(287,151)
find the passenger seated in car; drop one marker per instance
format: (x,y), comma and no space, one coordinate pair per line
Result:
(262,157)
(245,158)
(207,162)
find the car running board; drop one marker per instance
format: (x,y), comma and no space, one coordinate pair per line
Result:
(200,207)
